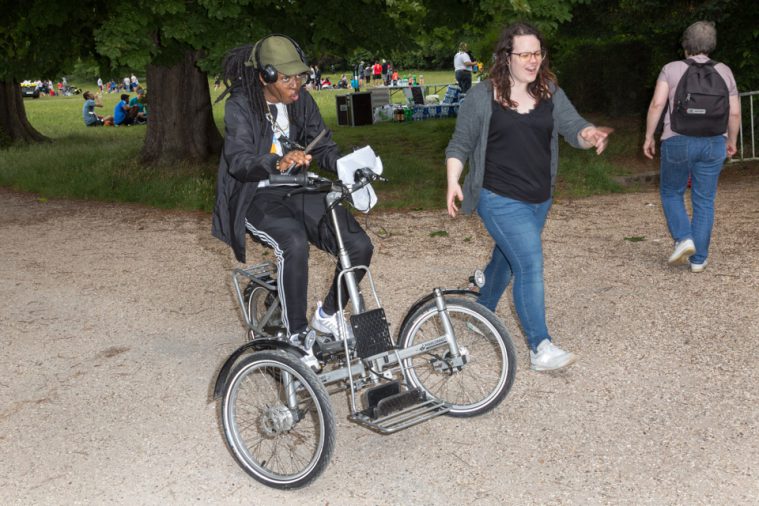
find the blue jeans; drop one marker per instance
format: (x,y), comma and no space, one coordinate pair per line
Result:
(701,158)
(516,228)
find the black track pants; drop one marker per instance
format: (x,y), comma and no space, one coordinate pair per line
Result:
(288,225)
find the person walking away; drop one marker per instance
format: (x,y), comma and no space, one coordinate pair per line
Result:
(507,129)
(462,66)
(268,118)
(697,137)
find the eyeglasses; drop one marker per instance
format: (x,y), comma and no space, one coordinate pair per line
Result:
(298,79)
(525,57)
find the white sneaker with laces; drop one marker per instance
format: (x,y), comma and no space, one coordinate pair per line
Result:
(326,324)
(683,250)
(694,267)
(549,357)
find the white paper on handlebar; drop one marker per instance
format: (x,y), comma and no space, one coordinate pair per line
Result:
(364,158)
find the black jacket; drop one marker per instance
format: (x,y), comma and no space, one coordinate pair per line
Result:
(246,160)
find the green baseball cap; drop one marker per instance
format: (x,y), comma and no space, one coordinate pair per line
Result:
(279,52)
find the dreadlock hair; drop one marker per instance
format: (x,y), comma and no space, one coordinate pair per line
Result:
(235,74)
(501,76)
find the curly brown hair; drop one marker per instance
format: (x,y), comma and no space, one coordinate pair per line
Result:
(501,76)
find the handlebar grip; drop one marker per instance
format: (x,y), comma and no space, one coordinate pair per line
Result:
(288,179)
(367,173)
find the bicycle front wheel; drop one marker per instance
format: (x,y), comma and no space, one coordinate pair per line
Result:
(472,386)
(277,420)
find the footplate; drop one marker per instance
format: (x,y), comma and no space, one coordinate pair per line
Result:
(400,411)
(371,332)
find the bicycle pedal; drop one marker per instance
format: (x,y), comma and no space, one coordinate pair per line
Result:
(328,348)
(398,402)
(388,398)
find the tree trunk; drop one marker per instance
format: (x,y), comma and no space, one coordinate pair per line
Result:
(14,126)
(180,122)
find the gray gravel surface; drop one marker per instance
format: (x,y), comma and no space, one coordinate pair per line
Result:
(116,318)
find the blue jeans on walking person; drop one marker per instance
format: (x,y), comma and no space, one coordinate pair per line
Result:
(701,158)
(516,228)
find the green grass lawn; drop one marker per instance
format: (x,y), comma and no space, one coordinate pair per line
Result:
(100,163)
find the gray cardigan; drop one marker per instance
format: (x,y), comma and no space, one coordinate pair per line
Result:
(470,137)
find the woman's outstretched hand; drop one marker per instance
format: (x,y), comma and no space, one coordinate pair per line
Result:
(597,137)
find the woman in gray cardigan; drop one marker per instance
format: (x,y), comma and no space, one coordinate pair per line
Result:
(508,130)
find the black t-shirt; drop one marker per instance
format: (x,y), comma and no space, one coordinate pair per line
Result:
(518,155)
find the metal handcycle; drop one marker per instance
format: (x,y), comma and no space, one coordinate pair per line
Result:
(451,356)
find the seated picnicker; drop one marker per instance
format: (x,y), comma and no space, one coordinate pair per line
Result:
(124,114)
(138,102)
(88,111)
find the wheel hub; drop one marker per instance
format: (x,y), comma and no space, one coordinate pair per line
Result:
(276,420)
(449,363)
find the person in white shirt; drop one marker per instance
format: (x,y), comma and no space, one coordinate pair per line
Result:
(462,65)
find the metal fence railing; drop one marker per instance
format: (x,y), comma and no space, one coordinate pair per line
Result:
(747,136)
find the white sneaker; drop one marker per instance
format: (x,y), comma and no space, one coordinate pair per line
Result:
(305,340)
(694,267)
(550,357)
(326,324)
(683,250)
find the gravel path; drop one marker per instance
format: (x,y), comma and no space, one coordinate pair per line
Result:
(115,319)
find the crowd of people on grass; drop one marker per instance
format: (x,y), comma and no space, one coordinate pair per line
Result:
(128,111)
(127,84)
(507,132)
(46,87)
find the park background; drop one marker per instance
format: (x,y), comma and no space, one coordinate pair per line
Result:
(115,316)
(606,55)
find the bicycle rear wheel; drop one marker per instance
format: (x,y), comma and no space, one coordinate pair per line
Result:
(486,377)
(277,420)
(260,300)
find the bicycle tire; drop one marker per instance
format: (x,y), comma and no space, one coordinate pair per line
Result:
(477,386)
(278,446)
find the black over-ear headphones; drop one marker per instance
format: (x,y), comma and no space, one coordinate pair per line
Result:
(269,73)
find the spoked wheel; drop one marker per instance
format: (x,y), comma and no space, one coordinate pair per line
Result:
(260,300)
(477,381)
(277,420)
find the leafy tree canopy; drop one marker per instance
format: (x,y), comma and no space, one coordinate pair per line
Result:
(41,38)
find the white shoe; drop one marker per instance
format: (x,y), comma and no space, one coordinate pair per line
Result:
(694,267)
(326,324)
(550,357)
(305,341)
(683,250)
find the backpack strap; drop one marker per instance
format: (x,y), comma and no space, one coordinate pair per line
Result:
(690,62)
